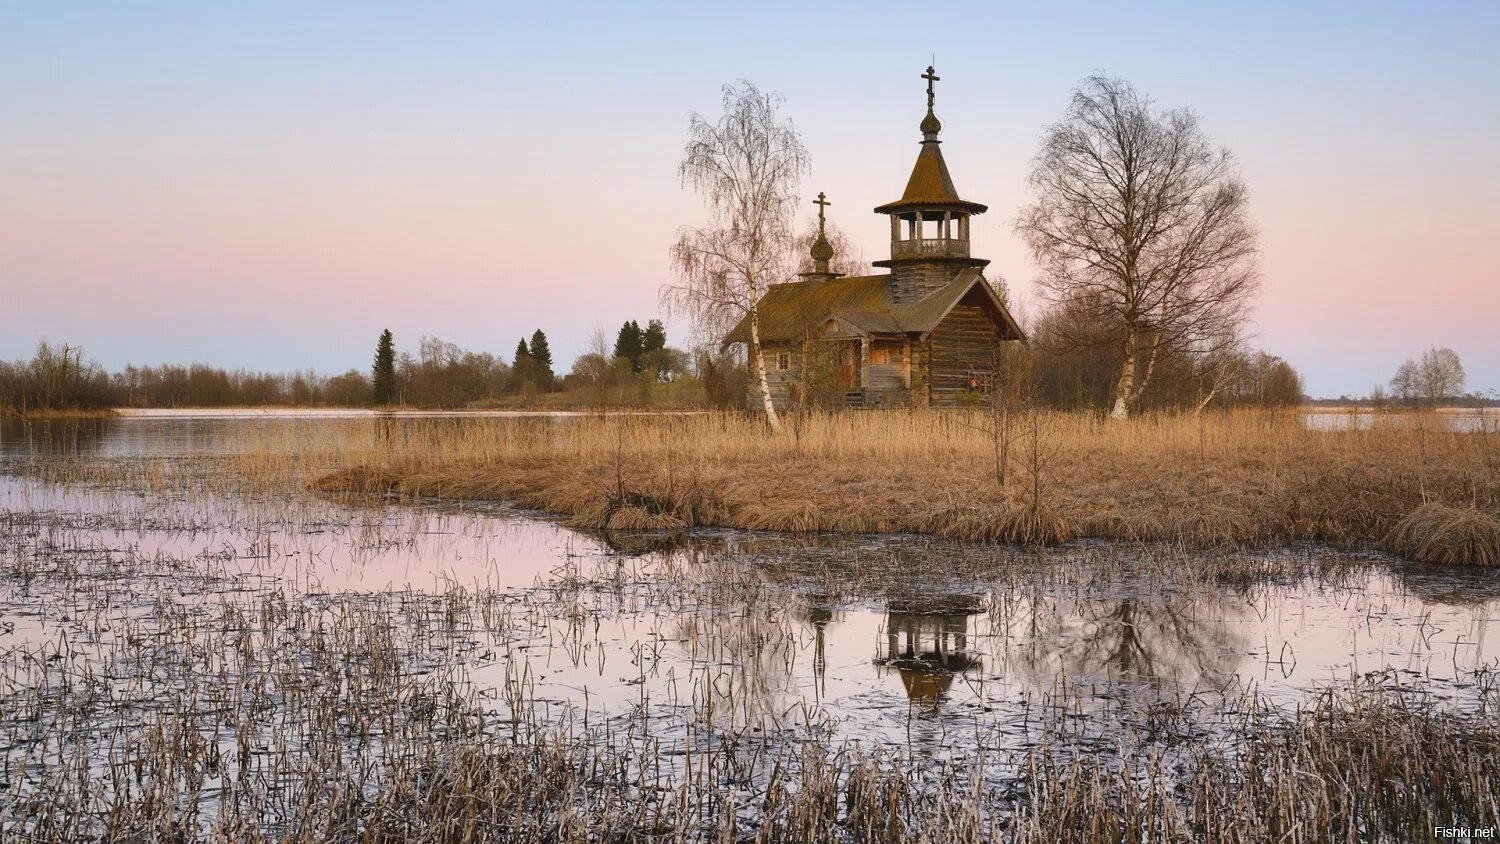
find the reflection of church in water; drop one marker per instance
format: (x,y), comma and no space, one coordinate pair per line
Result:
(926,643)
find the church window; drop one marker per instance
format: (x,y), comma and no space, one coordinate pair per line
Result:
(783,361)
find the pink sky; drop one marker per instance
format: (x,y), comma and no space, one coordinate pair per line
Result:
(269,189)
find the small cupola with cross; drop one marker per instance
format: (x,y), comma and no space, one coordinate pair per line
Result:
(821,251)
(929,223)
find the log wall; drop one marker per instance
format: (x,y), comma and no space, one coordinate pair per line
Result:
(910,282)
(960,348)
(780,381)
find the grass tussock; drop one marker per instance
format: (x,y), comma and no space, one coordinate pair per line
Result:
(359,480)
(1437,533)
(1014,525)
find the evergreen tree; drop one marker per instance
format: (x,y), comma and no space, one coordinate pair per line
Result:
(629,343)
(653,341)
(655,337)
(523,370)
(384,374)
(541,359)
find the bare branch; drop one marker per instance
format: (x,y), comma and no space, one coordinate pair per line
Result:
(747,166)
(1140,222)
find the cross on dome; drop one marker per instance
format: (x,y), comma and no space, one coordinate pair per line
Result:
(931,77)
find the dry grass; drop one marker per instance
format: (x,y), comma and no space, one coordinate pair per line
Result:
(1437,533)
(1251,477)
(1361,764)
(50,413)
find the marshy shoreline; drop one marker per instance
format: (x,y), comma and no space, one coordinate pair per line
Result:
(1405,483)
(57,414)
(204,650)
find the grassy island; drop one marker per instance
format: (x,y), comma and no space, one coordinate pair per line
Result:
(1403,480)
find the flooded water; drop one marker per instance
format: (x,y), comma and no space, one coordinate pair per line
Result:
(891,641)
(1458,420)
(964,630)
(211,432)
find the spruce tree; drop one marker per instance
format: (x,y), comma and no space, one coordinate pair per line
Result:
(622,341)
(653,340)
(522,370)
(541,359)
(628,344)
(384,374)
(655,337)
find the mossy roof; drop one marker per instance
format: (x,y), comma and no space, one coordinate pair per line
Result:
(794,311)
(930,186)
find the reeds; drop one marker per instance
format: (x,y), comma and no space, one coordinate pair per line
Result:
(1246,477)
(1363,763)
(255,713)
(1257,477)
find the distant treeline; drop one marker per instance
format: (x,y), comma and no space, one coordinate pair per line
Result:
(58,377)
(639,369)
(643,371)
(1076,369)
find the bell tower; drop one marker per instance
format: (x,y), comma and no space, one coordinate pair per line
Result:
(929,223)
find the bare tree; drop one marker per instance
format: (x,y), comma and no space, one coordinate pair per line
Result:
(1140,219)
(1405,384)
(1440,374)
(1274,383)
(747,167)
(1009,389)
(592,369)
(1218,367)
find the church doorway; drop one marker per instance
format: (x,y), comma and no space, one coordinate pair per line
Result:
(849,360)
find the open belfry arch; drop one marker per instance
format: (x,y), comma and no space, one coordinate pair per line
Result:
(926,333)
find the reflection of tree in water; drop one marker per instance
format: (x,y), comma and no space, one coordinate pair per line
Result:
(53,437)
(820,614)
(743,655)
(1175,641)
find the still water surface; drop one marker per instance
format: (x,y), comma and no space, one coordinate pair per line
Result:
(892,639)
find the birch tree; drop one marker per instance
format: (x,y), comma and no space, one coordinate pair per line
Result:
(1217,368)
(1141,220)
(1438,375)
(746,166)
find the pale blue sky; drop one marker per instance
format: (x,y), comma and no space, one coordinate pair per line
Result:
(268,186)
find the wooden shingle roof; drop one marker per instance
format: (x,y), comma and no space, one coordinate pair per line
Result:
(790,311)
(795,311)
(930,186)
